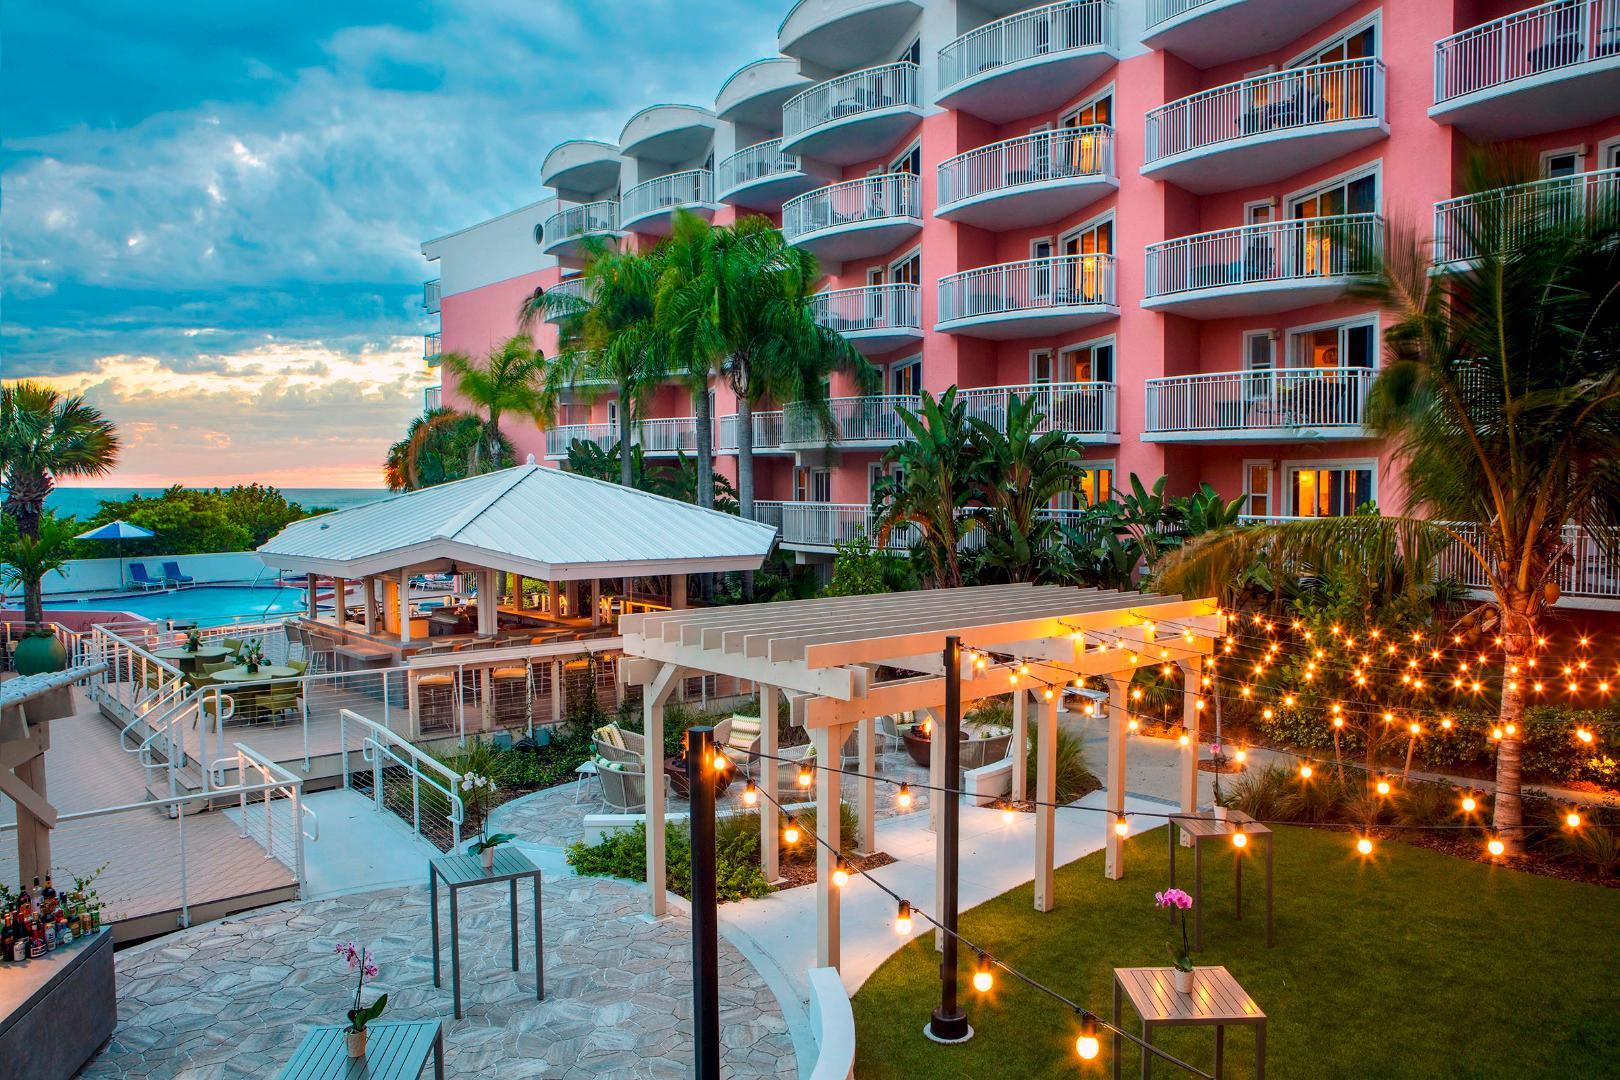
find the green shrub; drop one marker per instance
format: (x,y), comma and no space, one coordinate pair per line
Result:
(1426,804)
(1261,793)
(1596,850)
(1072,778)
(624,855)
(991,712)
(1322,798)
(849,825)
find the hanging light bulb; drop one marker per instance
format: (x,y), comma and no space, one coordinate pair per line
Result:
(750,795)
(1496,848)
(1469,804)
(1382,787)
(1184,740)
(1087,1045)
(902,919)
(1583,734)
(1131,724)
(1240,839)
(1572,819)
(1047,693)
(1121,826)
(1240,755)
(1305,772)
(982,978)
(1445,723)
(790,831)
(840,874)
(1008,815)
(1364,845)
(902,798)
(720,761)
(1023,669)
(1511,729)
(805,776)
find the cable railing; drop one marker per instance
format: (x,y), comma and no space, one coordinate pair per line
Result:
(11,633)
(586,219)
(1288,100)
(1296,249)
(1528,43)
(692,188)
(1266,400)
(754,163)
(1076,408)
(1507,214)
(767,428)
(895,306)
(1039,158)
(869,198)
(1043,31)
(867,91)
(873,418)
(281,839)
(1035,285)
(403,780)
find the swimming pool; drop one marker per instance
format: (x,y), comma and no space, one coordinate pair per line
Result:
(206,605)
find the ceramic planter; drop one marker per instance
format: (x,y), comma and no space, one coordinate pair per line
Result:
(354,1043)
(38,654)
(488,855)
(1184,981)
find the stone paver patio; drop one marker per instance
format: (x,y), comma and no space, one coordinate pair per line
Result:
(233,998)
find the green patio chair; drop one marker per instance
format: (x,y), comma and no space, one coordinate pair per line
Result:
(299,666)
(232,644)
(281,698)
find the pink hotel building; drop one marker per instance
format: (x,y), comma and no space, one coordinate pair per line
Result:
(1138,209)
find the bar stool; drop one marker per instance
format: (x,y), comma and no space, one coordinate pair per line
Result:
(436,702)
(512,698)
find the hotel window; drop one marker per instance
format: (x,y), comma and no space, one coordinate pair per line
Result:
(1091,362)
(1347,91)
(1257,488)
(1097,111)
(875,474)
(907,271)
(1338,345)
(1556,164)
(911,54)
(1079,152)
(1082,283)
(812,485)
(1329,490)
(1096,485)
(905,377)
(908,162)
(1323,251)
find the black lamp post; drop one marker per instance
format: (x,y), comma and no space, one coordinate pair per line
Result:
(705,910)
(948,1022)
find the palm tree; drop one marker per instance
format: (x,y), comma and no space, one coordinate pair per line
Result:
(27,559)
(440,445)
(1500,398)
(939,474)
(613,339)
(695,351)
(1020,472)
(509,380)
(45,435)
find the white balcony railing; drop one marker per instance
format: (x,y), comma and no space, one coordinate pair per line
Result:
(1035,285)
(576,222)
(871,419)
(430,296)
(1527,43)
(667,435)
(1288,100)
(1078,408)
(1040,158)
(767,431)
(1159,11)
(574,290)
(561,437)
(869,198)
(869,307)
(757,162)
(824,525)
(692,188)
(1278,400)
(432,398)
(1461,224)
(867,91)
(1297,249)
(1039,32)
(431,347)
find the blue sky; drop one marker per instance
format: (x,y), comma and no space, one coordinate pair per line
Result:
(212,212)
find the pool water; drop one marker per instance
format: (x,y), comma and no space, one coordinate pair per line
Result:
(208,605)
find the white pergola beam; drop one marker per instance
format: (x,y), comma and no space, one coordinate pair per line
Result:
(730,633)
(841,683)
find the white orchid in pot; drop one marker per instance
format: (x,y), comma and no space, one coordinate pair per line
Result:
(477,795)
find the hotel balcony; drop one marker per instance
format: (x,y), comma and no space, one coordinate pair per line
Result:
(1257,269)
(1207,33)
(1028,62)
(856,219)
(650,208)
(561,437)
(669,134)
(835,34)
(871,422)
(874,318)
(571,288)
(1589,578)
(1282,405)
(1028,180)
(432,398)
(1086,410)
(809,526)
(761,177)
(1034,298)
(581,165)
(855,117)
(754,94)
(1267,127)
(1462,224)
(565,233)
(767,427)
(430,296)
(657,437)
(431,349)
(1547,68)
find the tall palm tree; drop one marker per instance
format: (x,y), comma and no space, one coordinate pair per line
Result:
(695,352)
(613,339)
(1500,398)
(1020,471)
(939,476)
(45,435)
(440,445)
(510,379)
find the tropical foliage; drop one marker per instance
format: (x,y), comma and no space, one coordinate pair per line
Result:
(439,446)
(45,436)
(188,521)
(674,479)
(25,560)
(510,380)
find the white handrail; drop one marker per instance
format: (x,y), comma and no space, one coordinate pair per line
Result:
(1287,100)
(753,163)
(869,307)
(1066,26)
(1559,34)
(1159,11)
(1502,215)
(870,90)
(1038,158)
(868,198)
(826,524)
(1059,281)
(767,431)
(691,188)
(1278,399)
(585,219)
(1299,248)
(871,418)
(379,743)
(1079,408)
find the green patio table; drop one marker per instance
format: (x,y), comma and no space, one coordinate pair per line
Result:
(266,672)
(459,871)
(394,1051)
(188,659)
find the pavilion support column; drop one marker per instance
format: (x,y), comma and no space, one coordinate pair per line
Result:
(866,736)
(33,835)
(828,742)
(652,715)
(1020,746)
(1045,797)
(1189,753)
(368,589)
(769,819)
(556,691)
(596,603)
(404,605)
(340,600)
(310,608)
(677,591)
(936,767)
(489,593)
(1119,686)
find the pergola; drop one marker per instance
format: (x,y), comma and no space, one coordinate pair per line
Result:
(844,661)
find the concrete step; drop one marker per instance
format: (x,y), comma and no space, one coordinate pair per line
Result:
(188,781)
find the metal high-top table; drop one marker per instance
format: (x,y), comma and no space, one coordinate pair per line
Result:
(1206,827)
(464,871)
(1216,1001)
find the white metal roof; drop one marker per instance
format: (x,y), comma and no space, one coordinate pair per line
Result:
(540,522)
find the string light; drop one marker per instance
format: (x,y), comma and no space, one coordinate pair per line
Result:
(1382,787)
(1496,848)
(1572,819)
(902,798)
(1240,839)
(1121,826)
(750,794)
(1087,1045)
(790,831)
(982,979)
(902,919)
(720,761)
(1305,772)
(805,776)
(1364,845)
(1469,804)
(840,874)
(1583,734)
(1240,755)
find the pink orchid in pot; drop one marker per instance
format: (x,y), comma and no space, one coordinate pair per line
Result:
(1177,900)
(360,962)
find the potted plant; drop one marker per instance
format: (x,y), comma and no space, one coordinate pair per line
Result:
(193,640)
(26,560)
(477,795)
(1181,958)
(360,962)
(252,656)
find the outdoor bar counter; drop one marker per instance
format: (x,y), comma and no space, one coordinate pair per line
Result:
(56,1011)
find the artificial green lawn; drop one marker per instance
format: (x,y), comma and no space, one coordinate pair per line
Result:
(1408,964)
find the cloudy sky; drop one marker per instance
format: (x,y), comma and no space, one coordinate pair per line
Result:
(212,212)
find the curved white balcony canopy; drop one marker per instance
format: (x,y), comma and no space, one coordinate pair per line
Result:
(1207,33)
(854,117)
(836,35)
(671,134)
(650,208)
(875,319)
(1032,298)
(1028,180)
(761,177)
(856,219)
(582,165)
(755,93)
(1029,62)
(1267,127)
(1544,69)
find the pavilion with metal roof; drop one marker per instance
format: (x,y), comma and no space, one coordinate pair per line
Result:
(843,661)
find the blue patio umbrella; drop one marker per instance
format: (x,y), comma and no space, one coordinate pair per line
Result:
(117,531)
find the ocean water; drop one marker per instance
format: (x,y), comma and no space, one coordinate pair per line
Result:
(84,502)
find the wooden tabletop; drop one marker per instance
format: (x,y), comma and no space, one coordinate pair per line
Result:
(1216,997)
(392,1050)
(458,870)
(1208,825)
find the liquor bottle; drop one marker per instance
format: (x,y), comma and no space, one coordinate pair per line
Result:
(47,932)
(84,919)
(36,941)
(48,894)
(7,936)
(64,929)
